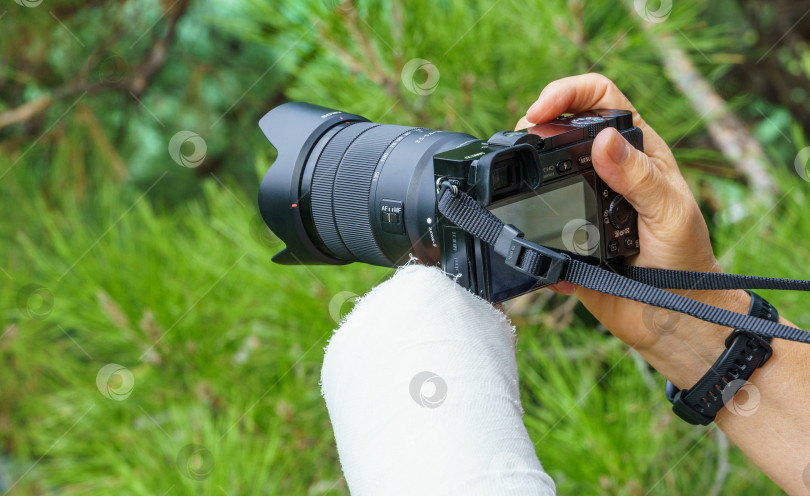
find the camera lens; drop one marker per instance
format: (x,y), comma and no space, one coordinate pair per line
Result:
(341,189)
(342,177)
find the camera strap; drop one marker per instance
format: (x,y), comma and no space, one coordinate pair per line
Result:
(641,284)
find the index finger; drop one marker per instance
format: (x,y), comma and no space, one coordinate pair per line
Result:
(591,91)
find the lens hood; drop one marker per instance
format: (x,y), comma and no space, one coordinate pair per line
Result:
(293,129)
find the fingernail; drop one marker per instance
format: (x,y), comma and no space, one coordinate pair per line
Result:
(566,287)
(618,149)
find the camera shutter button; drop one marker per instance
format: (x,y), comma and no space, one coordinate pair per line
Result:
(592,125)
(620,212)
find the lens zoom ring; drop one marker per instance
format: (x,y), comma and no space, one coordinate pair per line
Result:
(353,188)
(323,180)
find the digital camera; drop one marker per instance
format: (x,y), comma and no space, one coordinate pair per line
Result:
(344,189)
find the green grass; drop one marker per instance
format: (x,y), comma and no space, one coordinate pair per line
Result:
(225,351)
(224,347)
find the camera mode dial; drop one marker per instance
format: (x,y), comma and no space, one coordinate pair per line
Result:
(592,125)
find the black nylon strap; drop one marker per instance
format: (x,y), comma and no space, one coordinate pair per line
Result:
(604,281)
(462,210)
(685,279)
(532,262)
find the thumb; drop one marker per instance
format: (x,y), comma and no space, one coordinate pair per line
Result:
(633,174)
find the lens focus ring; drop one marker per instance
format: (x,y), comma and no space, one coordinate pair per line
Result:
(352,191)
(323,181)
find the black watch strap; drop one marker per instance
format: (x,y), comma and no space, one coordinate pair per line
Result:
(745,352)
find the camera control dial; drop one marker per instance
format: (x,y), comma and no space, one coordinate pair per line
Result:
(592,125)
(620,212)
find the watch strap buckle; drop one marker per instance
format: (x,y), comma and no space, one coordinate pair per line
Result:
(761,341)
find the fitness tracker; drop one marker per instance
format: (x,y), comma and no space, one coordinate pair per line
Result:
(745,352)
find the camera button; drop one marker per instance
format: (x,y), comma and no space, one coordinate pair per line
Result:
(628,242)
(564,166)
(584,160)
(613,247)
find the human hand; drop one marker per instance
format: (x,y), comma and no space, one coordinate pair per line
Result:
(672,233)
(771,427)
(422,390)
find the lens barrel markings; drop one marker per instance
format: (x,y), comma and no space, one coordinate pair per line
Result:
(352,191)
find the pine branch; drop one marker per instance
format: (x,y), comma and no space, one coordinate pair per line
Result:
(727,131)
(136,83)
(372,67)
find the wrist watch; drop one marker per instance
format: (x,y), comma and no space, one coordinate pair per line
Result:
(745,352)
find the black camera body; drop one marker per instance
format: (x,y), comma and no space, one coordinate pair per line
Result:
(542,181)
(344,189)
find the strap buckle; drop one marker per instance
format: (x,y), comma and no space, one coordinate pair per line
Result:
(738,333)
(687,412)
(545,264)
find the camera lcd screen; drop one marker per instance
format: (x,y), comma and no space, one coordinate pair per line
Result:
(561,215)
(562,218)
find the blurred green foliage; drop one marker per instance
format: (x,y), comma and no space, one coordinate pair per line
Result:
(165,269)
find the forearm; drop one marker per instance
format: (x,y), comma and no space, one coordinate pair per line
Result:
(421,384)
(770,420)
